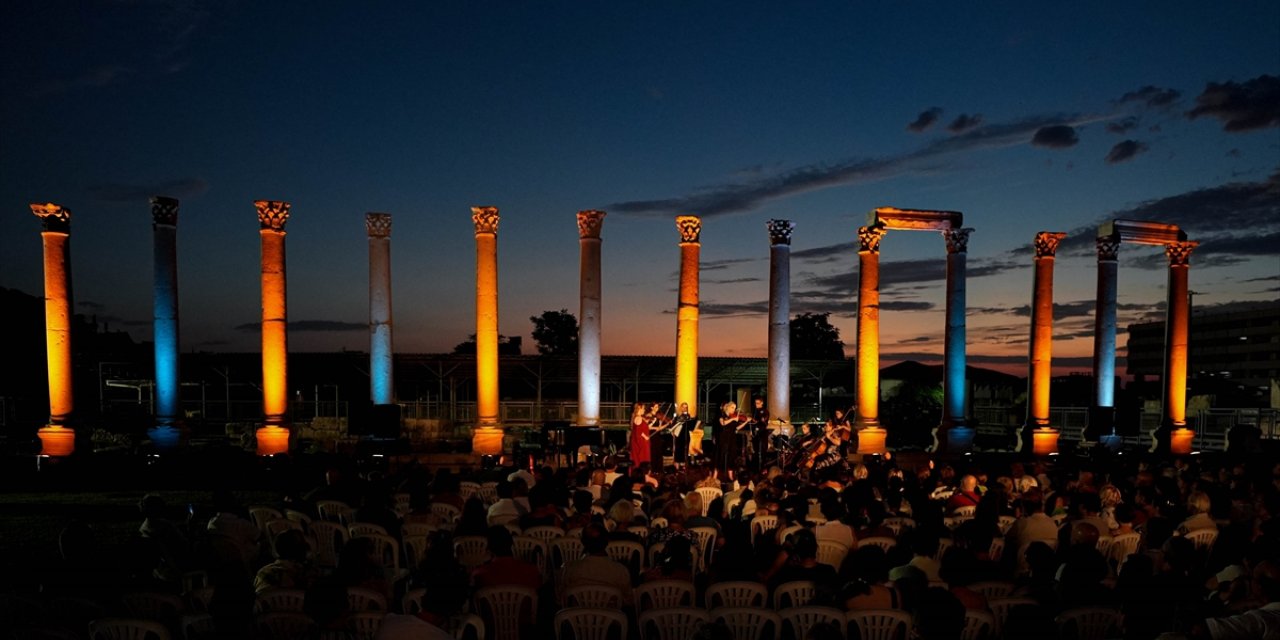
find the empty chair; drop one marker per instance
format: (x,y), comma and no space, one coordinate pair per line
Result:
(544,533)
(978,625)
(1088,623)
(664,594)
(127,629)
(334,510)
(706,545)
(671,624)
(196,626)
(327,539)
(708,494)
(466,626)
(736,594)
(793,594)
(533,551)
(749,623)
(506,609)
(1000,608)
(593,596)
(357,529)
(150,605)
(761,524)
(630,554)
(880,624)
(361,599)
(282,625)
(565,549)
(276,600)
(365,624)
(990,589)
(801,619)
(471,551)
(261,515)
(833,552)
(585,623)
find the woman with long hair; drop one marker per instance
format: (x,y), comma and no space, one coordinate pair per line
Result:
(639,436)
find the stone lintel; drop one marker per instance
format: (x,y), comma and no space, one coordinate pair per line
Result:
(915,219)
(1142,232)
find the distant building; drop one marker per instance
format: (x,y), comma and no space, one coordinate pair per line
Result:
(1234,355)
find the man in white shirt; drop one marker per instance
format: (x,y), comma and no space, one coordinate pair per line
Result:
(596,567)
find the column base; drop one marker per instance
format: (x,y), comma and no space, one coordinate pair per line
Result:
(871,440)
(1111,442)
(487,441)
(1044,441)
(57,441)
(168,437)
(1102,422)
(272,440)
(1180,441)
(955,440)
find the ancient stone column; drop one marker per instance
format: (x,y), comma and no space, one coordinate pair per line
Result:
(381,381)
(868,421)
(273,437)
(1102,414)
(168,391)
(589,225)
(1176,324)
(487,434)
(954,435)
(1040,352)
(687,311)
(57,438)
(779,379)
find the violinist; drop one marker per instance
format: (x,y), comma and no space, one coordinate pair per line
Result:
(639,436)
(759,432)
(682,429)
(659,437)
(727,438)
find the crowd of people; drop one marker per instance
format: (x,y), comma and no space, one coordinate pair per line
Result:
(1180,548)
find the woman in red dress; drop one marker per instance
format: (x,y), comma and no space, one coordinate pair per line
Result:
(639,436)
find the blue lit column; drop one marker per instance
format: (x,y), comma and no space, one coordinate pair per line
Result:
(168,389)
(954,435)
(1102,415)
(381,384)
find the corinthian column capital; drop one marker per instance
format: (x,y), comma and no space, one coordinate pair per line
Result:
(1046,243)
(690,229)
(1108,248)
(378,225)
(272,214)
(869,238)
(957,239)
(485,219)
(780,231)
(1179,253)
(55,217)
(590,222)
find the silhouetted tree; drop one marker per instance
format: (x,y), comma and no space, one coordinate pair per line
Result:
(506,346)
(813,338)
(556,333)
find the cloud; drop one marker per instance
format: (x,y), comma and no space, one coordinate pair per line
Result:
(964,122)
(1058,136)
(303,326)
(90,304)
(732,281)
(1151,96)
(1124,151)
(826,253)
(1123,125)
(925,119)
(1250,106)
(906,305)
(746,195)
(180,188)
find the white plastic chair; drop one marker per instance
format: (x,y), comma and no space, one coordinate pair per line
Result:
(996,550)
(198,599)
(749,623)
(1203,538)
(591,624)
(533,551)
(761,524)
(1000,608)
(978,625)
(565,549)
(736,594)
(1004,522)
(365,624)
(418,529)
(468,488)
(593,596)
(1088,623)
(793,594)
(706,545)
(1123,546)
(261,515)
(127,629)
(898,523)
(447,513)
(362,599)
(832,552)
(471,551)
(334,510)
(801,619)
(282,625)
(280,525)
(991,589)
(964,512)
(664,594)
(708,494)
(357,529)
(415,548)
(327,539)
(386,548)
(1104,545)
(884,542)
(671,624)
(149,605)
(488,492)
(544,533)
(411,603)
(505,609)
(943,545)
(629,554)
(400,503)
(466,626)
(780,535)
(880,624)
(298,516)
(279,600)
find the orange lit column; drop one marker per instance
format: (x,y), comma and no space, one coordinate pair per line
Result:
(273,437)
(487,434)
(954,435)
(164,225)
(381,382)
(687,311)
(1040,352)
(589,226)
(868,422)
(779,380)
(57,439)
(1174,434)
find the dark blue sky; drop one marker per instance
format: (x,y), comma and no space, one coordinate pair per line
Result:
(1026,118)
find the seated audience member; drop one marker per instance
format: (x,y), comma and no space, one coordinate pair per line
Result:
(503,568)
(674,562)
(290,570)
(798,560)
(596,567)
(505,508)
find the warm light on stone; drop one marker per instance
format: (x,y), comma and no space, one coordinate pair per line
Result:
(1040,350)
(57,439)
(690,228)
(1180,441)
(273,438)
(57,442)
(486,441)
(871,440)
(1044,441)
(272,441)
(487,414)
(868,409)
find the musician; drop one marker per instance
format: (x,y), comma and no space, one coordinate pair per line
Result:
(639,436)
(837,434)
(759,432)
(659,437)
(683,427)
(727,439)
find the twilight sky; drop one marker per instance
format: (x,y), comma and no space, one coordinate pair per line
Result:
(1026,119)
